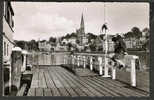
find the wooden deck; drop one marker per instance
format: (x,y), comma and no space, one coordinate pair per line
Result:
(57,81)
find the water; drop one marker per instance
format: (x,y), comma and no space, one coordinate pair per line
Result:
(57,58)
(143,56)
(41,58)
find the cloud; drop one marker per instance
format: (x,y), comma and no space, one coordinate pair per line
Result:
(42,20)
(41,25)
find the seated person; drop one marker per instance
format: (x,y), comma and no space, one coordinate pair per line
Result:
(119,51)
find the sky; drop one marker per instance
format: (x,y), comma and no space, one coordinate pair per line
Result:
(40,20)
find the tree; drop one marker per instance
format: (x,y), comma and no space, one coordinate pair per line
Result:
(102,36)
(20,44)
(91,36)
(73,35)
(145,46)
(147,32)
(77,41)
(33,45)
(69,46)
(129,35)
(52,39)
(92,47)
(136,31)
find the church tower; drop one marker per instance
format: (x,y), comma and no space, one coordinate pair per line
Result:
(81,37)
(82,25)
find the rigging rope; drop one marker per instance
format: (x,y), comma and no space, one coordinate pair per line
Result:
(104,13)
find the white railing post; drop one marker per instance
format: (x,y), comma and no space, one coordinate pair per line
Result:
(67,59)
(81,60)
(113,73)
(72,59)
(106,69)
(84,61)
(76,57)
(91,63)
(78,62)
(64,59)
(100,65)
(133,71)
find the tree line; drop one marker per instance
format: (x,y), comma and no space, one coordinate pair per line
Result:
(135,32)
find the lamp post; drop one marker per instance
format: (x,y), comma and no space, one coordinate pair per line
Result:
(106,70)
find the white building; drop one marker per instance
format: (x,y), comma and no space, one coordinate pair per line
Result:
(8,31)
(44,46)
(72,40)
(133,42)
(64,41)
(8,43)
(85,40)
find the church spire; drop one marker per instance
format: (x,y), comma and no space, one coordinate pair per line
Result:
(82,23)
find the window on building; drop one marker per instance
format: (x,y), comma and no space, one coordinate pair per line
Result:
(7,49)
(5,9)
(4,49)
(8,16)
(12,23)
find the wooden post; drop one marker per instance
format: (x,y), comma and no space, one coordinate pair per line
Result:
(84,61)
(24,63)
(100,65)
(10,80)
(91,63)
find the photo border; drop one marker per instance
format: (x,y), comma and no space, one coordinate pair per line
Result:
(151,22)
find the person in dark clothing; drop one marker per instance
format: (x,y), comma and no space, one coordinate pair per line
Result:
(119,51)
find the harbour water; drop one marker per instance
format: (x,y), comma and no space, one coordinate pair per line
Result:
(57,58)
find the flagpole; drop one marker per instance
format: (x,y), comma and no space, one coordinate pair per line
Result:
(106,70)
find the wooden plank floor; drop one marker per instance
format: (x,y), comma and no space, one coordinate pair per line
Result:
(57,81)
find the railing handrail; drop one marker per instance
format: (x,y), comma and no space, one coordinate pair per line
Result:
(91,54)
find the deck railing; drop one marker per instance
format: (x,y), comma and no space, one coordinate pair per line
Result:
(97,62)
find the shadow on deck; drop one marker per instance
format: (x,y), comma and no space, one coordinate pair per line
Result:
(57,81)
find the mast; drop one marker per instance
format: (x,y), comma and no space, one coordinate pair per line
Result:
(104,27)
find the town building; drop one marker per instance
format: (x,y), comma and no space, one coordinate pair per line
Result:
(81,36)
(110,44)
(60,47)
(64,41)
(72,40)
(133,43)
(99,44)
(44,46)
(8,31)
(8,42)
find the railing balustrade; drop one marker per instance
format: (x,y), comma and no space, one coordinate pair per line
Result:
(97,62)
